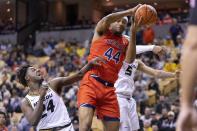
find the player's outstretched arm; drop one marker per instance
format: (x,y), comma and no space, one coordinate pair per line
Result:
(103,25)
(158,50)
(154,72)
(34,116)
(131,49)
(60,82)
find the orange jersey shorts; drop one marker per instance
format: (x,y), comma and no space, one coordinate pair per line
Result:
(96,95)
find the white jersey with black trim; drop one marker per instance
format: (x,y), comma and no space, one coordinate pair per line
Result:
(125,83)
(55,113)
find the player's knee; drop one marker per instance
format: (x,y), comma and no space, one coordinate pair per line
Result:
(85,118)
(84,126)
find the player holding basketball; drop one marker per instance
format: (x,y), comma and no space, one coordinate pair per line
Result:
(125,84)
(97,87)
(42,106)
(187,120)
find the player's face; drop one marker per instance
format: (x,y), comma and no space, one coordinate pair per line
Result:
(34,74)
(119,26)
(2,119)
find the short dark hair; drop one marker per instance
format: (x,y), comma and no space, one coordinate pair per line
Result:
(3,113)
(21,73)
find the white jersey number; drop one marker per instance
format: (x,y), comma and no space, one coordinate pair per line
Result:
(50,107)
(129,71)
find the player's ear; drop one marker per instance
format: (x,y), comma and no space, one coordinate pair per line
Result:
(27,78)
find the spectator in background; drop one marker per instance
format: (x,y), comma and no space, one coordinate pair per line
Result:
(155,128)
(168,42)
(148,35)
(164,117)
(24,124)
(153,85)
(147,126)
(141,97)
(3,121)
(147,116)
(175,30)
(162,104)
(179,42)
(15,101)
(15,126)
(171,65)
(47,49)
(154,119)
(167,19)
(169,123)
(139,82)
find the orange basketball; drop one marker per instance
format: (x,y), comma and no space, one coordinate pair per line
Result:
(148,14)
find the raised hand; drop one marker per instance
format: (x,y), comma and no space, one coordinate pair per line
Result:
(133,10)
(159,50)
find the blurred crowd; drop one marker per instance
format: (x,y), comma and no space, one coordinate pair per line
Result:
(62,58)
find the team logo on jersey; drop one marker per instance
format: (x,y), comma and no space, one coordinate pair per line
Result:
(116,44)
(46,98)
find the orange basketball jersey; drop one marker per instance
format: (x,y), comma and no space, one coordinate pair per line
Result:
(111,48)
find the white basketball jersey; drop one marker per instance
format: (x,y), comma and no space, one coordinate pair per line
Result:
(55,113)
(125,83)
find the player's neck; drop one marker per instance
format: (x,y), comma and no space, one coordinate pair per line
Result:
(33,91)
(34,85)
(117,34)
(34,88)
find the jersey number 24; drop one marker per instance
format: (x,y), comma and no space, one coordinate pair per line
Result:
(50,107)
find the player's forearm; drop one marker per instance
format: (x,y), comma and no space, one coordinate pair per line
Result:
(86,68)
(113,17)
(188,64)
(144,48)
(37,113)
(76,77)
(131,50)
(164,74)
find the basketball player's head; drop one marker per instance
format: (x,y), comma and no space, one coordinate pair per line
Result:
(29,75)
(119,26)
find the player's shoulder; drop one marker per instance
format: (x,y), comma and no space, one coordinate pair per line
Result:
(25,102)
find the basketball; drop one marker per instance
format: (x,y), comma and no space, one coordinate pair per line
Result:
(148,14)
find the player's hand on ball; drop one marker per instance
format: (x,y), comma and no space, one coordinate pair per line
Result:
(136,24)
(133,10)
(159,50)
(97,61)
(187,120)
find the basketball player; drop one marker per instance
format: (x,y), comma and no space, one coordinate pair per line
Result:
(188,115)
(43,107)
(97,86)
(125,84)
